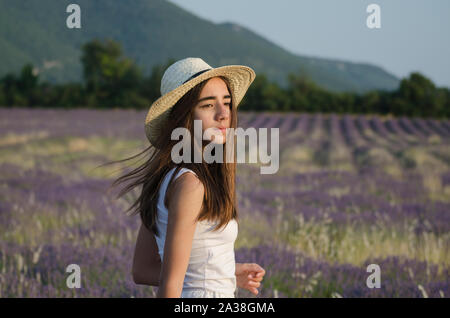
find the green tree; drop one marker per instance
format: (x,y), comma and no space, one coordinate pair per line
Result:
(150,87)
(27,85)
(109,77)
(305,95)
(416,96)
(370,103)
(254,99)
(11,93)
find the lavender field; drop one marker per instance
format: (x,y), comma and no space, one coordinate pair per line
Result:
(351,191)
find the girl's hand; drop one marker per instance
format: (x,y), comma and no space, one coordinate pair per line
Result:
(249,276)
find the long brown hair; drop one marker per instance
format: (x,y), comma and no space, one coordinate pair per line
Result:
(219,201)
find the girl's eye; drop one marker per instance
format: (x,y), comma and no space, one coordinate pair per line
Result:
(229,104)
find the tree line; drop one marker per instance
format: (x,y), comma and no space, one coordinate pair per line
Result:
(111,80)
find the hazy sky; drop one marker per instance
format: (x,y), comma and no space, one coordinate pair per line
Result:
(414,34)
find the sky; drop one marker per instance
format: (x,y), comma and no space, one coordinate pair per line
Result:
(414,34)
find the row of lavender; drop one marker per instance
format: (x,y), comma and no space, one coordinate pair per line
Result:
(129,123)
(105,273)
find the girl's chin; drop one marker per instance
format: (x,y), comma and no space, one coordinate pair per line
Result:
(217,137)
(218,141)
(214,141)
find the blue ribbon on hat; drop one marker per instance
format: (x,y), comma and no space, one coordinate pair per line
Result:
(196,74)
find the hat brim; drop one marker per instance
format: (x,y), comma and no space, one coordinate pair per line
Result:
(239,76)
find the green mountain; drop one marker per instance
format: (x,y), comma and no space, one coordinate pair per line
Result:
(151,31)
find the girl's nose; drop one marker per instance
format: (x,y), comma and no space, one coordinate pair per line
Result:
(223,111)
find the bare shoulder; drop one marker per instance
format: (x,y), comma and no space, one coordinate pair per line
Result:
(189,181)
(186,195)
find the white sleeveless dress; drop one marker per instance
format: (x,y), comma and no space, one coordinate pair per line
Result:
(211,268)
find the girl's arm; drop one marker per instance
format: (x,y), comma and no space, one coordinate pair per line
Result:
(184,206)
(146,260)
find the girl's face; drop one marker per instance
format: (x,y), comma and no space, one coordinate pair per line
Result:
(213,107)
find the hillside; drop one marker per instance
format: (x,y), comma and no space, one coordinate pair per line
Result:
(150,32)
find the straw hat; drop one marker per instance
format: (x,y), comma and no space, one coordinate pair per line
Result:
(183,75)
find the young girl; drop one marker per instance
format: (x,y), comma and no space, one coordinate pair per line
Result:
(185,244)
